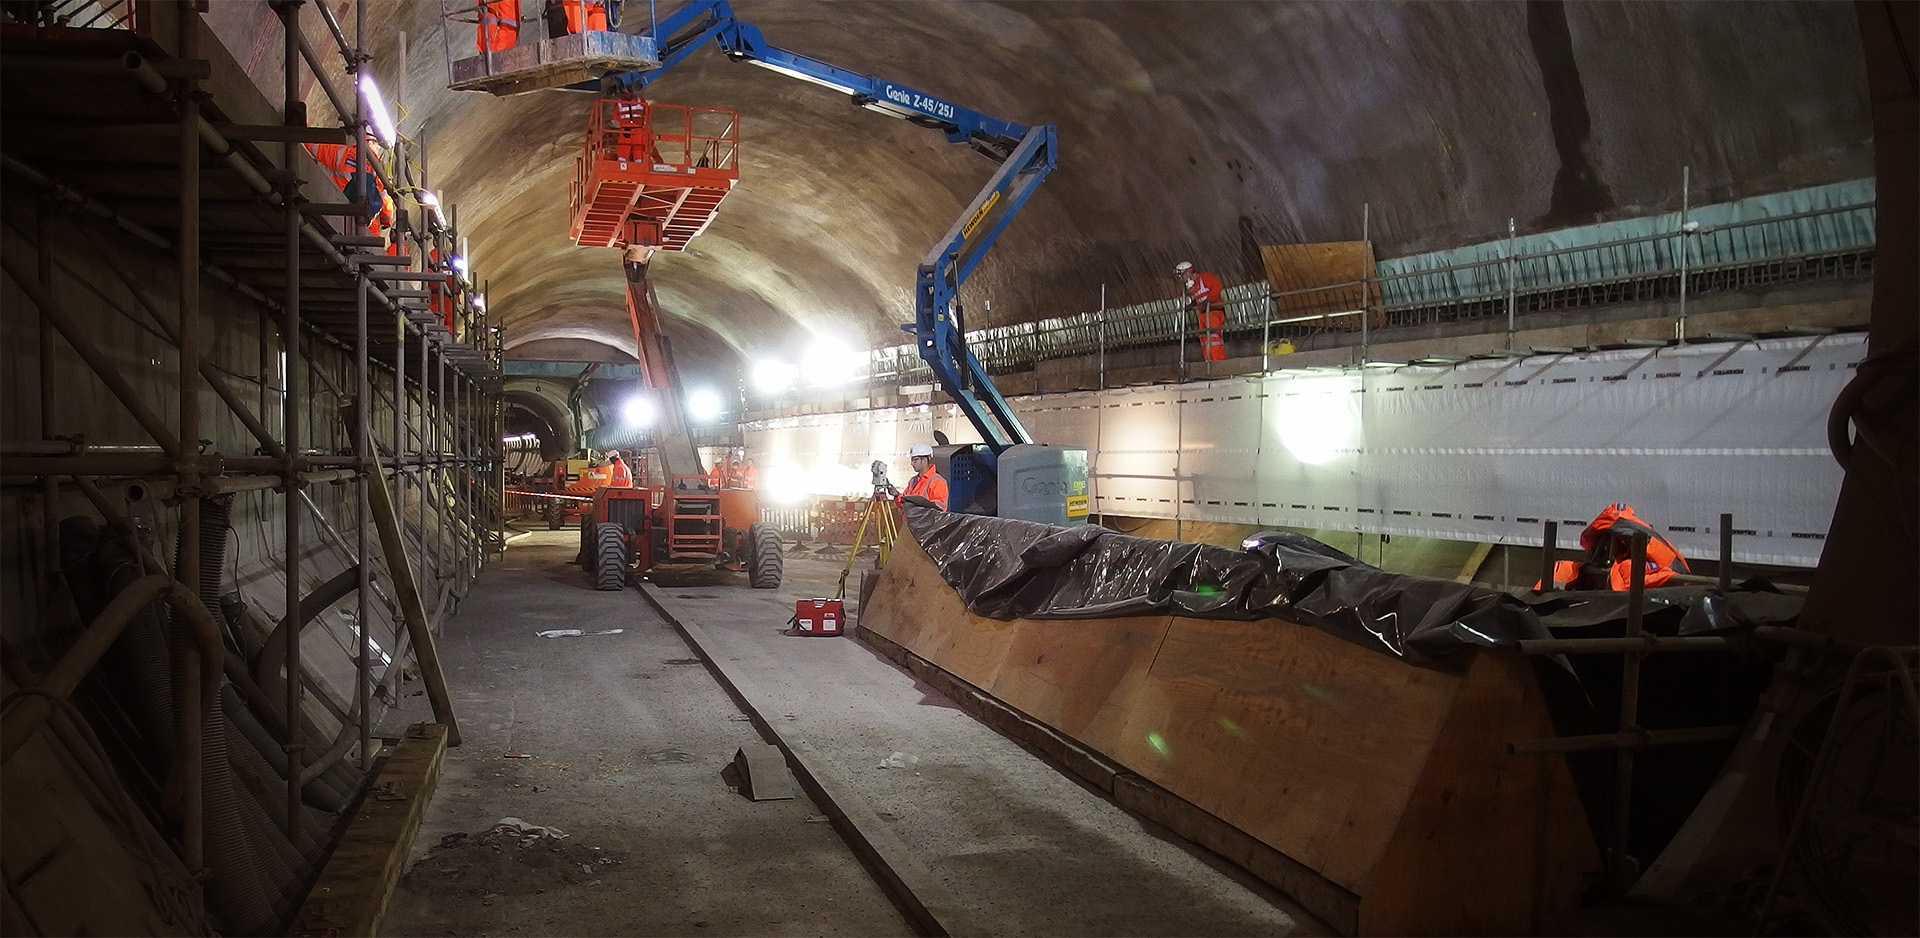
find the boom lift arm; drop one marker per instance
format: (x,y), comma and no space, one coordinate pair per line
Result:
(1026,155)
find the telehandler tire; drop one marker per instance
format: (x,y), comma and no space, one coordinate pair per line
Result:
(766,563)
(610,567)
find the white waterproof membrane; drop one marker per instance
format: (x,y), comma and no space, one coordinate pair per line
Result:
(1483,450)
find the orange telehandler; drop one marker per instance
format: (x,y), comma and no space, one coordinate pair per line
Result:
(648,179)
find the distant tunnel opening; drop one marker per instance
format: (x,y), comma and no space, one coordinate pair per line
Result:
(537,430)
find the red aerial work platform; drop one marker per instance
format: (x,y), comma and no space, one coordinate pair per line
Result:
(652,174)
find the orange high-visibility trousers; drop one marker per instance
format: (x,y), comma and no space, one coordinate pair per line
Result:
(1213,345)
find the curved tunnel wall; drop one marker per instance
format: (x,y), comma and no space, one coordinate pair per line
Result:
(1185,131)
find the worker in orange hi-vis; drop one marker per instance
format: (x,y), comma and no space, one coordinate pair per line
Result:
(566,17)
(437,292)
(622,475)
(499,25)
(339,160)
(382,218)
(1608,541)
(927,482)
(1209,304)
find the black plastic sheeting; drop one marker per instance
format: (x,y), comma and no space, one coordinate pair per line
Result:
(1009,569)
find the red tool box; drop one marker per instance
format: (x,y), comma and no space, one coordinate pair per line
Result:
(818,617)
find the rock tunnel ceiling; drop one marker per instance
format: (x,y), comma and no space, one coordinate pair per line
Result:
(1187,130)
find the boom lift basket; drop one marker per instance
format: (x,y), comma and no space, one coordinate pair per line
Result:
(651,174)
(534,64)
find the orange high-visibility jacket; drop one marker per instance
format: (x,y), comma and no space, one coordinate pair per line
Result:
(499,25)
(1619,521)
(1609,539)
(339,159)
(1207,296)
(585,14)
(622,476)
(929,485)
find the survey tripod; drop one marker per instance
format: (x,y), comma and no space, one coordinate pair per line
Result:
(883,516)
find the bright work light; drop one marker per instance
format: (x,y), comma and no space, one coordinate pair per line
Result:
(638,412)
(704,405)
(773,376)
(377,108)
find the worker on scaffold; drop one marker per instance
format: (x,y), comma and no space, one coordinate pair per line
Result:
(927,482)
(1206,296)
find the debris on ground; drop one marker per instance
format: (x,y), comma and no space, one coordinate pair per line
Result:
(514,857)
(900,760)
(576,633)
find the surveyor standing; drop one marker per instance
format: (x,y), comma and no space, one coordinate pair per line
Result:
(927,482)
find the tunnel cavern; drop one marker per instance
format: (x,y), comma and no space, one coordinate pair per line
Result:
(991,467)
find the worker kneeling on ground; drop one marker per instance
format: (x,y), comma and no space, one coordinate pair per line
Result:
(1608,541)
(927,482)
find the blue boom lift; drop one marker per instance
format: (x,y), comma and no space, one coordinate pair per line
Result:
(1008,474)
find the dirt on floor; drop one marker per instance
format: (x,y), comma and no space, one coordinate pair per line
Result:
(511,858)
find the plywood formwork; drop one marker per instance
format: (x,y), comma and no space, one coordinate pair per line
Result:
(1388,782)
(1323,278)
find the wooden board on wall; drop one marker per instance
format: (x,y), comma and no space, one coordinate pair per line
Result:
(1345,760)
(1321,278)
(1480,816)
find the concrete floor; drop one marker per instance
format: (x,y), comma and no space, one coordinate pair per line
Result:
(620,740)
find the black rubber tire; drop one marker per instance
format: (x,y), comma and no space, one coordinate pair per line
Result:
(609,557)
(556,514)
(765,562)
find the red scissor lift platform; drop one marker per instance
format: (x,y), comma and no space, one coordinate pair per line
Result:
(652,174)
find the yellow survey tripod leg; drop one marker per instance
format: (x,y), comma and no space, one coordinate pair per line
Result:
(885,529)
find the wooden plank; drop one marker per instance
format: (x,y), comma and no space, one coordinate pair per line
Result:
(1490,844)
(1307,742)
(1321,278)
(400,569)
(351,895)
(1329,902)
(1074,675)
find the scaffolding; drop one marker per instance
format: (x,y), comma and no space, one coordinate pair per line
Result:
(375,414)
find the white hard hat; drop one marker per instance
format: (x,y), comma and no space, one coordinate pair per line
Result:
(920,449)
(1182,267)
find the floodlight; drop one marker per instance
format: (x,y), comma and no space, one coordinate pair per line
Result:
(704,405)
(638,412)
(773,376)
(377,108)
